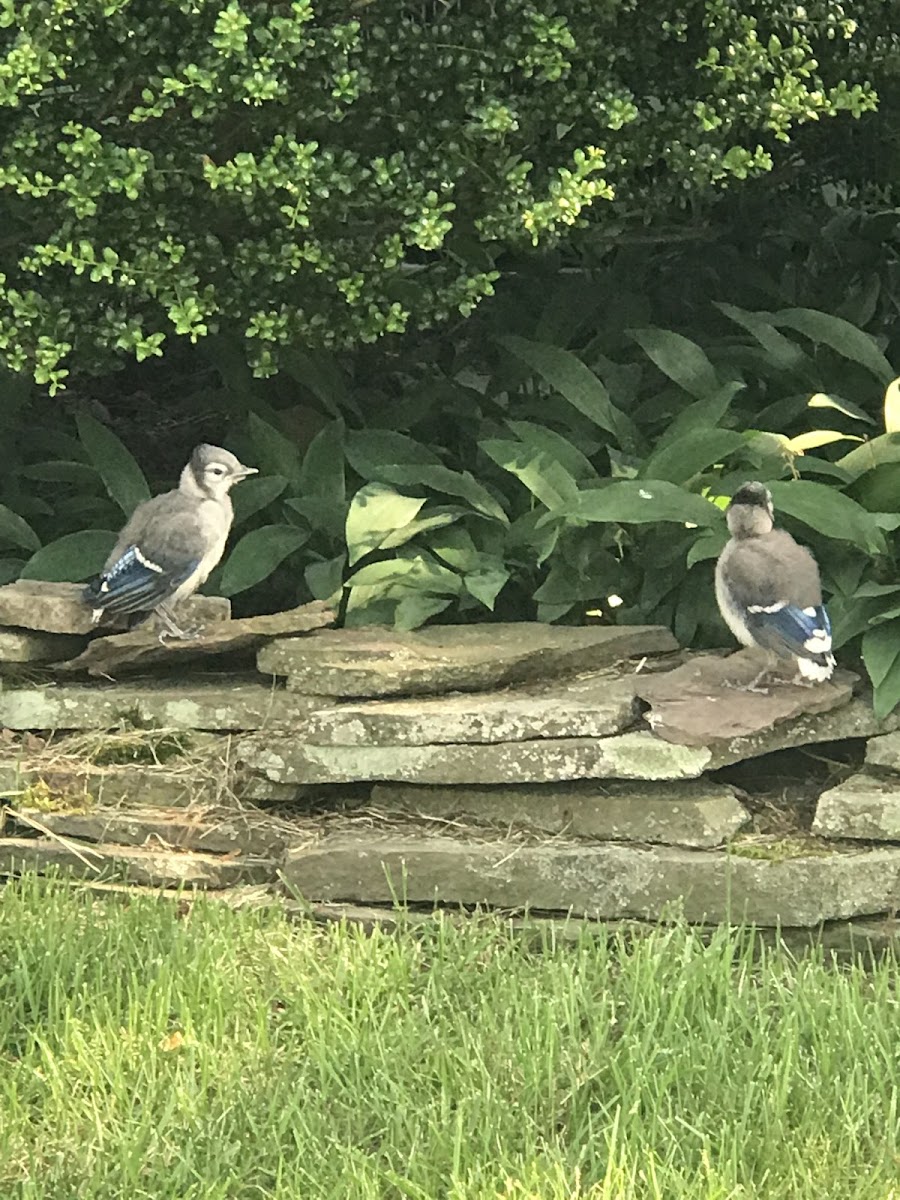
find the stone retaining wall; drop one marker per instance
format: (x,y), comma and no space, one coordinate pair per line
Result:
(579,771)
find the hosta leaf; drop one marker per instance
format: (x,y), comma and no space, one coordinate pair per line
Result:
(640,501)
(257,555)
(453,483)
(839,335)
(376,513)
(575,381)
(115,464)
(72,558)
(16,529)
(679,358)
(828,511)
(544,477)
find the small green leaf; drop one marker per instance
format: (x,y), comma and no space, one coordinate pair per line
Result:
(818,437)
(640,501)
(702,415)
(847,407)
(72,558)
(781,351)
(892,407)
(576,382)
(709,544)
(56,471)
(325,579)
(376,513)
(679,358)
(122,477)
(549,442)
(10,569)
(874,453)
(256,494)
(839,335)
(257,555)
(486,585)
(416,608)
(828,511)
(15,529)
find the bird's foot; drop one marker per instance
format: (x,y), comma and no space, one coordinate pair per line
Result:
(178,634)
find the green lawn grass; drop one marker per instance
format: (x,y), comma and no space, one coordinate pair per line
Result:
(149,1053)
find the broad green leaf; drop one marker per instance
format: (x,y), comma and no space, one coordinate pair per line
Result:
(255,494)
(434,520)
(376,513)
(72,558)
(319,371)
(15,529)
(453,483)
(892,407)
(702,415)
(486,585)
(679,358)
(322,472)
(828,511)
(847,407)
(781,351)
(546,479)
(877,589)
(257,555)
(875,453)
(548,441)
(576,382)
(640,501)
(416,571)
(322,515)
(686,457)
(881,654)
(275,454)
(57,471)
(818,437)
(370,450)
(122,477)
(325,579)
(839,335)
(416,608)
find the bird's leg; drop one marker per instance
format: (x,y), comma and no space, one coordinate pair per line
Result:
(172,628)
(753,685)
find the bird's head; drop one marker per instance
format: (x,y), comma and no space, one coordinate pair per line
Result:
(212,472)
(750,512)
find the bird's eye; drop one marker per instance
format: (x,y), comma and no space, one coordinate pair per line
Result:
(217,470)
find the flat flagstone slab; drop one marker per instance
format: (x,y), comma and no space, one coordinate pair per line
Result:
(128,651)
(609,882)
(207,705)
(595,706)
(25,646)
(861,807)
(625,756)
(131,864)
(884,751)
(443,658)
(700,704)
(59,608)
(226,831)
(698,813)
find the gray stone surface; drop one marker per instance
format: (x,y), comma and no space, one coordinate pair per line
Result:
(443,658)
(59,608)
(224,832)
(131,864)
(215,705)
(884,752)
(853,720)
(130,651)
(69,785)
(700,703)
(625,756)
(595,706)
(25,646)
(860,807)
(610,882)
(697,813)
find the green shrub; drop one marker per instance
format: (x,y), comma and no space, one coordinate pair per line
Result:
(326,173)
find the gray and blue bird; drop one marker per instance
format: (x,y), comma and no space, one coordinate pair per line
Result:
(768,589)
(171,544)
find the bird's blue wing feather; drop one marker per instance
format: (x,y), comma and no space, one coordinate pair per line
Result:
(137,582)
(801,631)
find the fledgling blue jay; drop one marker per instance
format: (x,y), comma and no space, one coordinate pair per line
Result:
(170,544)
(768,589)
